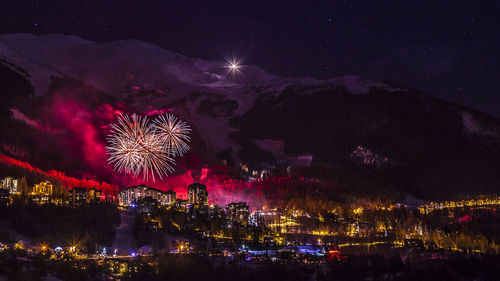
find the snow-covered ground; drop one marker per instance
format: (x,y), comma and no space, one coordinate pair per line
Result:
(368,157)
(123,234)
(117,66)
(471,126)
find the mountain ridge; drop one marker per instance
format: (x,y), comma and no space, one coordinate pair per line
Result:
(255,118)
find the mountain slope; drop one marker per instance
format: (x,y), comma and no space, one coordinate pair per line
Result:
(59,93)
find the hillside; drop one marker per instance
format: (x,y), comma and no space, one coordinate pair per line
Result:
(59,93)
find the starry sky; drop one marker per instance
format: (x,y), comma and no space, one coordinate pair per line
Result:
(449,49)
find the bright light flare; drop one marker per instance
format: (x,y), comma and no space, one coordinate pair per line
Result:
(233,66)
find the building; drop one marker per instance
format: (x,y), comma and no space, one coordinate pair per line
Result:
(78,196)
(277,220)
(93,195)
(237,213)
(42,192)
(181,204)
(216,212)
(168,197)
(119,268)
(197,194)
(4,197)
(11,184)
(81,196)
(147,205)
(265,218)
(132,195)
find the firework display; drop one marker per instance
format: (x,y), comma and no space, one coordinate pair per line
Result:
(138,146)
(174,133)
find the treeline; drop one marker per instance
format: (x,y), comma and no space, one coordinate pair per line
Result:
(87,227)
(352,268)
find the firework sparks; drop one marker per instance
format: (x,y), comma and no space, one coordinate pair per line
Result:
(134,147)
(174,134)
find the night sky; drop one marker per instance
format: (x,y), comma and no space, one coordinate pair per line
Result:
(449,49)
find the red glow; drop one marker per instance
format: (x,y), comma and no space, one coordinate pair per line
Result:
(158,111)
(335,254)
(221,187)
(69,182)
(464,219)
(107,112)
(82,120)
(76,118)
(13,150)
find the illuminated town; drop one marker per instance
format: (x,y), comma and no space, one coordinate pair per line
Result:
(254,140)
(160,224)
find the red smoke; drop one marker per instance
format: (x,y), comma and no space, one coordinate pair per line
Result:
(82,119)
(221,188)
(76,118)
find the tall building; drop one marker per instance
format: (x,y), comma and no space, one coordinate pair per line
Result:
(197,194)
(237,213)
(132,195)
(42,192)
(11,184)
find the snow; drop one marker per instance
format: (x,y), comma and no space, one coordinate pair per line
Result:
(275,147)
(471,126)
(113,66)
(122,68)
(18,115)
(40,76)
(21,117)
(368,157)
(301,160)
(51,277)
(123,234)
(356,85)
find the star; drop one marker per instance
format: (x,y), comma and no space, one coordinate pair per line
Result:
(233,66)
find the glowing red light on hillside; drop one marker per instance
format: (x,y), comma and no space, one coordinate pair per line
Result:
(69,182)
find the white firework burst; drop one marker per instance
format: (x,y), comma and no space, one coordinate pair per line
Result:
(135,148)
(174,134)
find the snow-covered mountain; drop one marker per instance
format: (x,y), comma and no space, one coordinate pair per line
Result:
(66,89)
